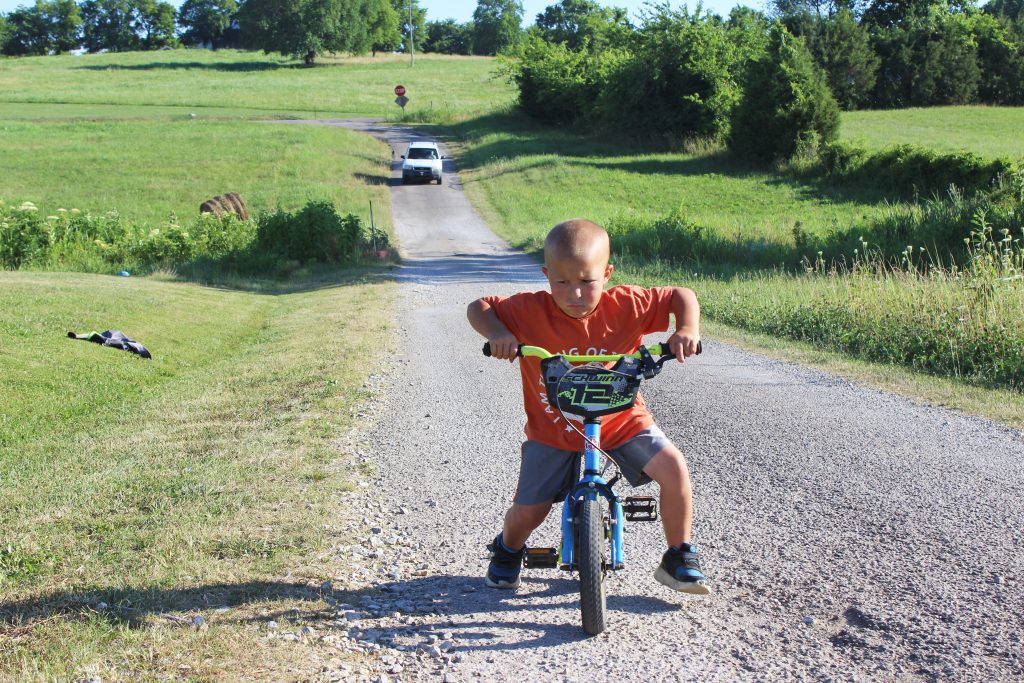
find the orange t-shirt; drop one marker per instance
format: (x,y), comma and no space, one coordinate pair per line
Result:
(624,314)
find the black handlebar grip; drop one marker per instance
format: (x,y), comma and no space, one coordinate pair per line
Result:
(487,350)
(700,347)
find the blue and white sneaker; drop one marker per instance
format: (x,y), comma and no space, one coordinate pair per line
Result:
(680,570)
(503,572)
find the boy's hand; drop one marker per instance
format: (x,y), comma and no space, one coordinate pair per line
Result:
(683,343)
(504,346)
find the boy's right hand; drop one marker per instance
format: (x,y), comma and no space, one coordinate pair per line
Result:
(504,346)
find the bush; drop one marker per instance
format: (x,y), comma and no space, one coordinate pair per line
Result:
(908,168)
(23,235)
(678,83)
(676,240)
(314,233)
(786,106)
(72,240)
(553,82)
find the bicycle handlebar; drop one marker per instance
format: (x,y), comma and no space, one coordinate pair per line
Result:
(660,349)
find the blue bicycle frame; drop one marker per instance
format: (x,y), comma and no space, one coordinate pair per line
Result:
(590,487)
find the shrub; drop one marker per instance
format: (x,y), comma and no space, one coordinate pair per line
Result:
(786,103)
(72,240)
(315,233)
(909,168)
(23,235)
(678,82)
(552,81)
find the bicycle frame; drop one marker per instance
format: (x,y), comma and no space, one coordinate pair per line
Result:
(591,486)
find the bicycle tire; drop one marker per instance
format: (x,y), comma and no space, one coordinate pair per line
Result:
(590,546)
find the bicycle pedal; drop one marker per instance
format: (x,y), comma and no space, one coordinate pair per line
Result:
(640,509)
(541,558)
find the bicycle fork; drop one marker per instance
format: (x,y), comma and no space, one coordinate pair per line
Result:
(591,487)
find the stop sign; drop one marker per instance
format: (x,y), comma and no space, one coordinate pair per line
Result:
(399,90)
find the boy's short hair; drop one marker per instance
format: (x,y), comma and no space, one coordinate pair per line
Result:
(577,238)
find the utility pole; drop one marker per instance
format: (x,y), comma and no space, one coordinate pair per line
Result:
(412,28)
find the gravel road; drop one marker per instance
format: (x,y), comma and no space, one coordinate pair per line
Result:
(848,533)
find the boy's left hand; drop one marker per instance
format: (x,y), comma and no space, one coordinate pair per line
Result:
(683,343)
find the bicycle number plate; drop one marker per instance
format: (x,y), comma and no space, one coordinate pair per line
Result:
(590,391)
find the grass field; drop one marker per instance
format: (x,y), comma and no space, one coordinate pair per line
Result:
(149,169)
(533,177)
(174,486)
(265,85)
(986,131)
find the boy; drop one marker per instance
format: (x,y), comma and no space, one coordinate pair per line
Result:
(579,317)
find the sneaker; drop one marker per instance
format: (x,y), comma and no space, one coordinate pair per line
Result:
(680,570)
(503,572)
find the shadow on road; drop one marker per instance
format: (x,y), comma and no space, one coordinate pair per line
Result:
(134,607)
(465,268)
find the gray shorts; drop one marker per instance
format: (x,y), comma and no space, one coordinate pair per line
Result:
(547,474)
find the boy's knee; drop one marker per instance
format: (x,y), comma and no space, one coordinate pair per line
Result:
(532,515)
(668,465)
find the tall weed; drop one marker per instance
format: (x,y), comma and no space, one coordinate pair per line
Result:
(275,243)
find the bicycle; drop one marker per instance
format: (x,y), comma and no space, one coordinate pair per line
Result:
(591,543)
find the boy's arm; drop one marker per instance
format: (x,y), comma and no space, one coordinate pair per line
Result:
(686,310)
(484,320)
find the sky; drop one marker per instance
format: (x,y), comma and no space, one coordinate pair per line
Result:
(462,10)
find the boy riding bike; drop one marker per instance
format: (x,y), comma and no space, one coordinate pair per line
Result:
(580,316)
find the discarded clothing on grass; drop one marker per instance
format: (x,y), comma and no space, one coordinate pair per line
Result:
(115,339)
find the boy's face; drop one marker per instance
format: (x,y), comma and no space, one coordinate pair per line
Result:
(577,284)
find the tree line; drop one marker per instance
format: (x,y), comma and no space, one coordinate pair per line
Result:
(770,84)
(300,28)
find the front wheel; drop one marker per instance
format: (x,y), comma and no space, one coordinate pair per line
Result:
(590,545)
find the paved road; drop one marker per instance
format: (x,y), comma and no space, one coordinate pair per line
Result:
(849,533)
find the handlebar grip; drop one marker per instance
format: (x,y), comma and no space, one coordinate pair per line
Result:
(487,350)
(700,347)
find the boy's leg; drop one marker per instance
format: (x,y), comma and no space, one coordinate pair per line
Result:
(651,456)
(680,565)
(668,468)
(508,548)
(543,473)
(521,520)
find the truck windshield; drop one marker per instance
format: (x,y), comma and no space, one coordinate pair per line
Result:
(422,153)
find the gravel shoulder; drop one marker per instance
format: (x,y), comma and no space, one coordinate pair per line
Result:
(848,533)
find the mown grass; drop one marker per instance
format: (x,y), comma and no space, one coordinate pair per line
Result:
(149,170)
(989,132)
(445,87)
(532,177)
(186,485)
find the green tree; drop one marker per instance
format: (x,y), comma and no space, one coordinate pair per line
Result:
(1011,9)
(497,26)
(109,25)
(305,28)
(1000,60)
(383,25)
(27,32)
(927,60)
(449,37)
(205,21)
(747,31)
(677,82)
(786,103)
(581,24)
(411,14)
(842,47)
(155,24)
